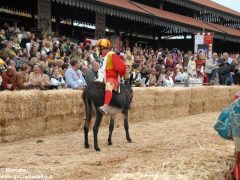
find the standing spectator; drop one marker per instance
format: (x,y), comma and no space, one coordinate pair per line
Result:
(15,28)
(211,67)
(10,80)
(225,69)
(92,73)
(192,68)
(74,77)
(187,58)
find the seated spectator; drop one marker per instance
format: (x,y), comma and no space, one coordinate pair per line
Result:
(144,76)
(25,42)
(135,76)
(168,61)
(3,66)
(167,79)
(152,77)
(65,66)
(66,60)
(23,75)
(92,73)
(50,57)
(11,63)
(2,35)
(37,78)
(57,80)
(7,51)
(10,80)
(46,48)
(33,61)
(74,77)
(18,62)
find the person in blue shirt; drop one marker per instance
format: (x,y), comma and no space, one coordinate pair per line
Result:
(74,77)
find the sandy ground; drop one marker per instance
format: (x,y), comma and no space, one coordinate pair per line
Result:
(181,148)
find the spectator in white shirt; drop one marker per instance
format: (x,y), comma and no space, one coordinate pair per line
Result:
(167,79)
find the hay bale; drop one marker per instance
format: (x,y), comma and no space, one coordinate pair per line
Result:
(62,124)
(35,113)
(21,105)
(181,102)
(198,98)
(22,129)
(64,102)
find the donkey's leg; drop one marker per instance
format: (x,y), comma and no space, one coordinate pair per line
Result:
(111,127)
(95,129)
(88,109)
(126,125)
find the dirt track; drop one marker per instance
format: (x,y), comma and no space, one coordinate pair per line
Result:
(182,148)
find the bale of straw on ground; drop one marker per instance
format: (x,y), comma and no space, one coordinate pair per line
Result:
(199,96)
(62,124)
(17,129)
(21,105)
(34,113)
(64,102)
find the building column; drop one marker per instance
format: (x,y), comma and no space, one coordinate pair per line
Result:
(100,25)
(44,15)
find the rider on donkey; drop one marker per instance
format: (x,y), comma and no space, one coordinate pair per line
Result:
(113,68)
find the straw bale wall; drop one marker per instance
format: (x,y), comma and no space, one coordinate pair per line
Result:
(25,114)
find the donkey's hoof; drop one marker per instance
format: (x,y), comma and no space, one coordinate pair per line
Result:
(109,143)
(129,141)
(97,149)
(86,146)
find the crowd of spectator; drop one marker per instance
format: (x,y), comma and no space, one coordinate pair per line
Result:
(30,61)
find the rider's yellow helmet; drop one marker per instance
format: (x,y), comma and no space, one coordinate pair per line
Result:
(104,43)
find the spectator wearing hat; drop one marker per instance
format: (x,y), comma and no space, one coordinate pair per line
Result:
(74,77)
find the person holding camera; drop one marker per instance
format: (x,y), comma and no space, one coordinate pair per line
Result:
(57,80)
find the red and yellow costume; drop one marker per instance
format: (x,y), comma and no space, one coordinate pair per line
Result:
(115,68)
